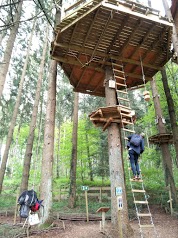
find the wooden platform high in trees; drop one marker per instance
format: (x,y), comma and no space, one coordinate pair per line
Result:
(95,33)
(161,138)
(104,116)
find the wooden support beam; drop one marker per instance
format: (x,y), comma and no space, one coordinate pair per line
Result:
(100,54)
(72,61)
(108,123)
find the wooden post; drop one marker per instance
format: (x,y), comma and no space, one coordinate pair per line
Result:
(103,211)
(16,207)
(86,201)
(100,194)
(103,219)
(170,201)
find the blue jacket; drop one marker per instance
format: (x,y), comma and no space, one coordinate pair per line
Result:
(138,149)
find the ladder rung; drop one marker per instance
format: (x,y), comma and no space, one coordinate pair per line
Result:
(124,99)
(127,122)
(126,115)
(119,77)
(121,91)
(141,202)
(117,65)
(138,191)
(124,107)
(121,84)
(119,71)
(144,214)
(128,130)
(136,180)
(146,226)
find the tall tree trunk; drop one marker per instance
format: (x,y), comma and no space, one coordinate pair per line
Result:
(171,109)
(116,162)
(167,161)
(29,147)
(73,166)
(0,150)
(88,155)
(10,44)
(174,31)
(15,112)
(48,146)
(58,151)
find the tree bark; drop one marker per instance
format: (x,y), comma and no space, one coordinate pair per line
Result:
(15,112)
(171,109)
(116,162)
(58,151)
(167,161)
(9,47)
(48,146)
(73,166)
(88,155)
(29,146)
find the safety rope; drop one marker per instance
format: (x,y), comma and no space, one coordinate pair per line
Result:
(143,75)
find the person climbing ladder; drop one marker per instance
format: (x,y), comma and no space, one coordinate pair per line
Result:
(135,148)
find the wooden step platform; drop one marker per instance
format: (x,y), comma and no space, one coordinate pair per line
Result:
(136,180)
(104,116)
(161,138)
(144,214)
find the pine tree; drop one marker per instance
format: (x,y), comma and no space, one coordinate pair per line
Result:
(15,112)
(9,47)
(29,147)
(73,167)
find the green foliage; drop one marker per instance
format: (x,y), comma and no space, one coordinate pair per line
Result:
(7,201)
(93,206)
(96,183)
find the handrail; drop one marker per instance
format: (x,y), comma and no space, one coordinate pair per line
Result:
(81,3)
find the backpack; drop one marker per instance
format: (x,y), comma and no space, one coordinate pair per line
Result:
(24,211)
(28,197)
(135,140)
(27,200)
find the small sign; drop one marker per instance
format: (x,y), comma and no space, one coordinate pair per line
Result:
(118,191)
(112,84)
(85,188)
(119,203)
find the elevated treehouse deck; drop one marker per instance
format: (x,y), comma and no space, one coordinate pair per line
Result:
(96,33)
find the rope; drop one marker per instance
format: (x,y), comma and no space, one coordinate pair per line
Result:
(143,75)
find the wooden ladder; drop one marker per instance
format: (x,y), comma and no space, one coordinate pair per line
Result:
(140,198)
(123,100)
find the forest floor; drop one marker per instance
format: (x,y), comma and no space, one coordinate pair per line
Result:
(166,226)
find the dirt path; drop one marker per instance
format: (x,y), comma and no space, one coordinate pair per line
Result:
(165,226)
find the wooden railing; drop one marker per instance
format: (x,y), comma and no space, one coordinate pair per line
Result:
(95,192)
(70,10)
